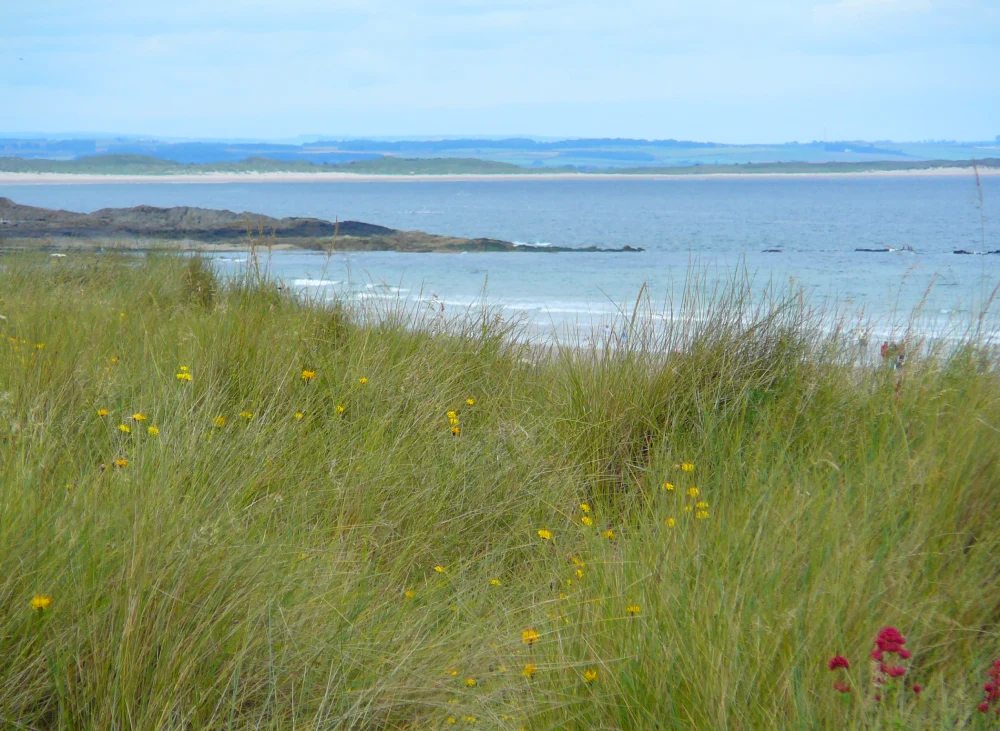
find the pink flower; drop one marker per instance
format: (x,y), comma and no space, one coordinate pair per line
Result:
(877,655)
(839,661)
(917,689)
(895,671)
(983,707)
(842,686)
(905,654)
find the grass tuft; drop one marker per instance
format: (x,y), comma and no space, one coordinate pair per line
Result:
(337,551)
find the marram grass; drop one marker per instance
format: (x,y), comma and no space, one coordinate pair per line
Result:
(268,549)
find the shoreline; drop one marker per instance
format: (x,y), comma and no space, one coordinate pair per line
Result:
(291,177)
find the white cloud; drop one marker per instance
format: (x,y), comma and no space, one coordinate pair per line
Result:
(860,10)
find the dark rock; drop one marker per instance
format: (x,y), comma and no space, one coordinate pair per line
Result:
(142,226)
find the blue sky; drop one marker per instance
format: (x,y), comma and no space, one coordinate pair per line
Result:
(720,70)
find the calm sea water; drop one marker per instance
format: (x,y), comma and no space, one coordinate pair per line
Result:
(706,225)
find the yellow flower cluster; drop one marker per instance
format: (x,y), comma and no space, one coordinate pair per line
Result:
(456,429)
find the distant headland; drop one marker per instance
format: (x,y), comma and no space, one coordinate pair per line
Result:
(206,229)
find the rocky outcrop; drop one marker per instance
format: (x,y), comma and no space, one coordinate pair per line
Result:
(144,226)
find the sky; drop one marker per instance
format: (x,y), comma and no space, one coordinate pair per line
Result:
(719,70)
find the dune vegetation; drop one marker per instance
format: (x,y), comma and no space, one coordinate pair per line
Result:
(225,507)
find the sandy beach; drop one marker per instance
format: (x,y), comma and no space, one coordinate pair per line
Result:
(77,179)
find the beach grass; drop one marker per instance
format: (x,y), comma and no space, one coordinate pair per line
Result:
(225,507)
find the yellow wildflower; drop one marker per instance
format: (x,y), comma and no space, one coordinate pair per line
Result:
(701,504)
(451,720)
(340,409)
(494,582)
(670,522)
(152,431)
(39,346)
(563,595)
(701,514)
(299,414)
(184,369)
(668,486)
(529,637)
(114,359)
(469,719)
(138,416)
(693,492)
(308,375)
(579,573)
(183,376)
(246,415)
(633,609)
(470,682)
(590,675)
(544,534)
(456,430)
(687,467)
(219,421)
(576,561)
(439,569)
(584,507)
(362,380)
(409,593)
(529,670)
(122,462)
(41,602)
(453,673)
(102,412)
(124,428)
(470,401)
(586,520)
(687,508)
(609,534)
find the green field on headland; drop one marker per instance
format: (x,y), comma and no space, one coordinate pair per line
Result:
(144,165)
(225,507)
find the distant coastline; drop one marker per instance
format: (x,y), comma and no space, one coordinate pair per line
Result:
(140,168)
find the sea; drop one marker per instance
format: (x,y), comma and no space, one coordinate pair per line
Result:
(802,233)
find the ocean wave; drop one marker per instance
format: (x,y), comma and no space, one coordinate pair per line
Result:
(315,282)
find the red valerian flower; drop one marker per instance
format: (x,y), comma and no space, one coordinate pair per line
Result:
(839,661)
(983,707)
(878,696)
(890,640)
(842,686)
(877,655)
(895,671)
(917,689)
(905,654)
